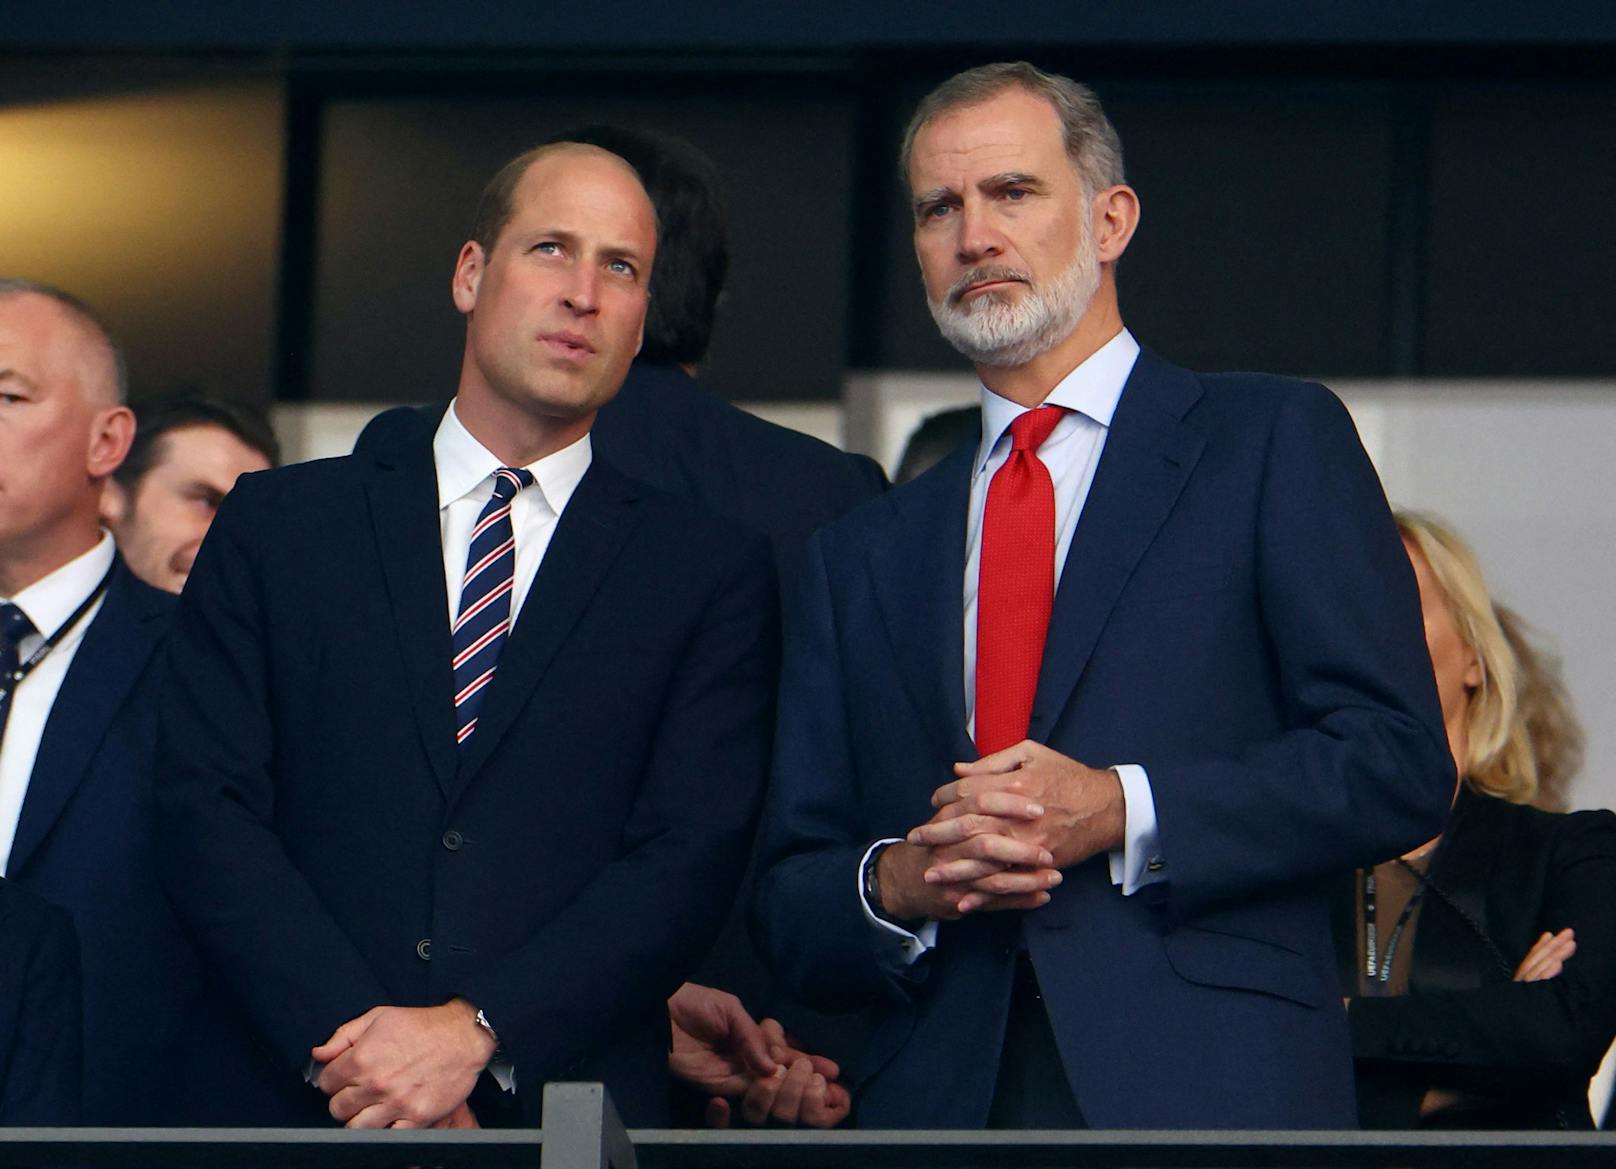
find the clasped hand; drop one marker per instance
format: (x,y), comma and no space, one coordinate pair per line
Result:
(1004,828)
(405,1067)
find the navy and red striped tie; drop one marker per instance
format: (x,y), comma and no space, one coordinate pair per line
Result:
(485,600)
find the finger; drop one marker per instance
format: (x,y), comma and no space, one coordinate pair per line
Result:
(717,1113)
(405,1122)
(1015,881)
(788,1102)
(343,1037)
(1000,762)
(750,1042)
(826,1066)
(992,902)
(828,1108)
(349,1100)
(378,1115)
(1001,850)
(950,830)
(759,1099)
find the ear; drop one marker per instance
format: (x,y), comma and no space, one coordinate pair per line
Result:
(1474,673)
(1115,217)
(110,436)
(114,502)
(468,275)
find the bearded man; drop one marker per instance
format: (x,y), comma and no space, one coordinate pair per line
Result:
(1072,725)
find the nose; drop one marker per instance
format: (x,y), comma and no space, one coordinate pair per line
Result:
(979,238)
(582,294)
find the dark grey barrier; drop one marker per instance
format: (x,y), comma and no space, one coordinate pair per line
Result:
(582,1131)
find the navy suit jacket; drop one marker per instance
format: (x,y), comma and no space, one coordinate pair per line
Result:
(332,849)
(86,841)
(41,1044)
(666,429)
(1237,615)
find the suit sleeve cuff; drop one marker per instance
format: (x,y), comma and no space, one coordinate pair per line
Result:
(1139,862)
(910,945)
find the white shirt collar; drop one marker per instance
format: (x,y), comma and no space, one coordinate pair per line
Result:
(1092,389)
(464,464)
(50,600)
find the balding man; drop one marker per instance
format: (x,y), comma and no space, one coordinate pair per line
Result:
(467,731)
(77,698)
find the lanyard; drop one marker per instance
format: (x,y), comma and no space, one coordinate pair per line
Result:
(1381,971)
(55,639)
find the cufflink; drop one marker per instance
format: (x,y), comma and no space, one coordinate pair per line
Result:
(1155,865)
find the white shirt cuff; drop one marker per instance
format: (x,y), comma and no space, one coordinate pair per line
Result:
(1139,862)
(911,945)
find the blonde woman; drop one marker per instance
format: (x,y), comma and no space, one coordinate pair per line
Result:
(1482,979)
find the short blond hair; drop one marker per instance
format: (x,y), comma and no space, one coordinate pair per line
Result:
(1519,719)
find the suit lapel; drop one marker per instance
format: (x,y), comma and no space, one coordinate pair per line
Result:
(1149,454)
(918,571)
(591,532)
(110,660)
(401,488)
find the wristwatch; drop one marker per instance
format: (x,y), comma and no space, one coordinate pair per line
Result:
(872,887)
(482,1021)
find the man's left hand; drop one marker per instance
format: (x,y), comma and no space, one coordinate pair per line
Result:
(1081,811)
(403,1066)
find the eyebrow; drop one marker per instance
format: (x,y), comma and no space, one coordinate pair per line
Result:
(7,373)
(1009,178)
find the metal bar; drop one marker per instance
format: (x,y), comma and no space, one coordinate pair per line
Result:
(582,1129)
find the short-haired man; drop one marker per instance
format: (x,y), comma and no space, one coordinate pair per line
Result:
(78,680)
(467,730)
(1072,724)
(188,452)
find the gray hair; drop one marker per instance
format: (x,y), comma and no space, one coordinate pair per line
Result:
(1091,140)
(82,313)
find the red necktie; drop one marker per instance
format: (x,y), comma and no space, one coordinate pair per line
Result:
(1016,584)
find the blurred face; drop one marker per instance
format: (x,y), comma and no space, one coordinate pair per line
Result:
(61,434)
(160,524)
(555,309)
(1002,229)
(1456,665)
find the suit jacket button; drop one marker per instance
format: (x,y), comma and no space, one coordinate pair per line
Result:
(423,949)
(452,840)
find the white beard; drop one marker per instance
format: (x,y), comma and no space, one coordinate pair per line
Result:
(996,331)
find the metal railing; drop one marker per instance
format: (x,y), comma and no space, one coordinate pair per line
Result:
(582,1131)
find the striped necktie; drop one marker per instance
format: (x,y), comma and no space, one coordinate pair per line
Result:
(14,626)
(485,600)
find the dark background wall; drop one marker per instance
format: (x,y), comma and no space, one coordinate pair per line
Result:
(270,202)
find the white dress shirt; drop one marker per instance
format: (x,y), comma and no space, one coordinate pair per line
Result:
(1072,451)
(48,603)
(465,485)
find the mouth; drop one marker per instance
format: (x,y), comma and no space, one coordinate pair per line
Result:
(567,345)
(974,284)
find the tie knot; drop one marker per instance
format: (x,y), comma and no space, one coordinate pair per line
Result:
(509,480)
(1029,430)
(14,625)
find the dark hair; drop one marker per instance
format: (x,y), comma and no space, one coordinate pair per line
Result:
(692,257)
(85,315)
(177,409)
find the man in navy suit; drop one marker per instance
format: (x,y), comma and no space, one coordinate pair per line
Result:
(466,732)
(1072,725)
(41,1013)
(78,635)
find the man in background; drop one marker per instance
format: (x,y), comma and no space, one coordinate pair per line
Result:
(78,679)
(188,451)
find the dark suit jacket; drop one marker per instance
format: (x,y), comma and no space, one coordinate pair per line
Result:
(1237,615)
(664,427)
(1529,1048)
(41,1040)
(86,842)
(331,848)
